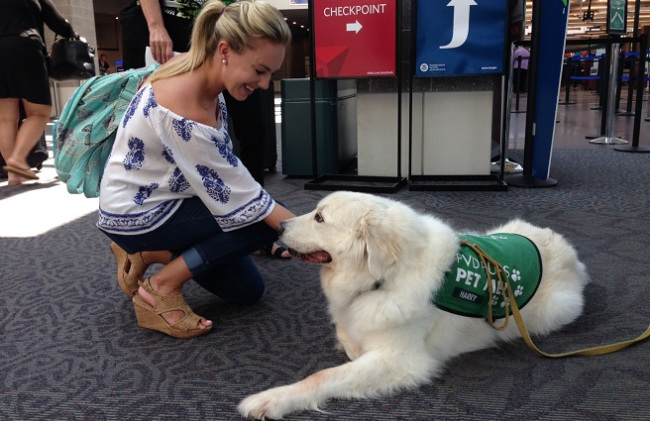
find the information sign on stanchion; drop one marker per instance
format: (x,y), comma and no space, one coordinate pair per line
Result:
(617,17)
(354,39)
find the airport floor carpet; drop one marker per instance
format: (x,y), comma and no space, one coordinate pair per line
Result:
(70,348)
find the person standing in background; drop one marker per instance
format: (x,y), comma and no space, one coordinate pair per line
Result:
(164,26)
(521,58)
(24,79)
(103,65)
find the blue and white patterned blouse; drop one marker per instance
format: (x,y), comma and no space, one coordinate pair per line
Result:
(160,158)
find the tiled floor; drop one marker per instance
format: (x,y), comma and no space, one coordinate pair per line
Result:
(578,120)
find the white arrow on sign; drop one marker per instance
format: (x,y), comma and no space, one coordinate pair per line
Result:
(461,22)
(354,27)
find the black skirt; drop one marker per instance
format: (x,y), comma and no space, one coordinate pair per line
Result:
(23,73)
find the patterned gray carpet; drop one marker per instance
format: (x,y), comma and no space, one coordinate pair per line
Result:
(70,348)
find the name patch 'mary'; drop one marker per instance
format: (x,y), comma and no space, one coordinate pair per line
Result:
(465,289)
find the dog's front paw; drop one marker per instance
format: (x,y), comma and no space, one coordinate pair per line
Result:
(259,407)
(272,404)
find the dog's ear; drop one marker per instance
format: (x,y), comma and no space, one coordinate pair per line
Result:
(382,246)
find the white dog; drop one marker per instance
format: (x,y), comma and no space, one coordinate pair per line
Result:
(384,270)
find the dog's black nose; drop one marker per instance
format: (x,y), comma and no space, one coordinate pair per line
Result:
(281,227)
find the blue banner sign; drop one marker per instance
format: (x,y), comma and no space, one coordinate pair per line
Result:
(460,37)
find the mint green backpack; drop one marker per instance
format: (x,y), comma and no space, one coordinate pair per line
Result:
(84,134)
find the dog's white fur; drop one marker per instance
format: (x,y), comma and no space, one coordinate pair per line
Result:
(386,262)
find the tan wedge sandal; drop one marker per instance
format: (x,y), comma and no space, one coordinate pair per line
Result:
(151,317)
(130,269)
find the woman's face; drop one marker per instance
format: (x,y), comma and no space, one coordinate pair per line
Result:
(252,68)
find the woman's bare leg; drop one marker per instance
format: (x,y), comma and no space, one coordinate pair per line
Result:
(29,133)
(9,115)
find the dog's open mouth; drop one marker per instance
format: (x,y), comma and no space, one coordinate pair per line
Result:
(317,257)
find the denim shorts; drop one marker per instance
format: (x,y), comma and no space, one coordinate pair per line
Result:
(219,261)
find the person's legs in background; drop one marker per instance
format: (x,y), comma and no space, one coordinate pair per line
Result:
(16,148)
(30,131)
(9,116)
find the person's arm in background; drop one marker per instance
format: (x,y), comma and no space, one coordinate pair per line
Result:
(159,41)
(55,21)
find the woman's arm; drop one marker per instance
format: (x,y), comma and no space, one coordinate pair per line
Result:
(159,40)
(55,21)
(279,214)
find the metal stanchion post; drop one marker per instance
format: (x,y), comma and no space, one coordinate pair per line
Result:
(567,83)
(619,88)
(602,63)
(641,63)
(647,111)
(619,83)
(518,85)
(640,76)
(610,110)
(630,83)
(603,74)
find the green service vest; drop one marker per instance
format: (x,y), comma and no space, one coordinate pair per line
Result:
(465,288)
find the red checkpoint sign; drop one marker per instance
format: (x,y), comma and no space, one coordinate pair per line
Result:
(354,38)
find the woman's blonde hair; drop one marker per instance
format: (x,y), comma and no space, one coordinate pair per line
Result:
(238,24)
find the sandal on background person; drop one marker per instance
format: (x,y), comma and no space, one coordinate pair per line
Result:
(150,317)
(130,269)
(23,172)
(16,181)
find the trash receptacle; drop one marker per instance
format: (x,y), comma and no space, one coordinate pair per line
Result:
(335,102)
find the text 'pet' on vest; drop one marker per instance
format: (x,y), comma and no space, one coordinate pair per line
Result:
(465,289)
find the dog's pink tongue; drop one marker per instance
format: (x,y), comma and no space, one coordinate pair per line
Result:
(318,257)
(321,256)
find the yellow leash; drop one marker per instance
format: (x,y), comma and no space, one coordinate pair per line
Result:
(511,306)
